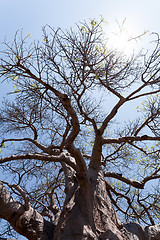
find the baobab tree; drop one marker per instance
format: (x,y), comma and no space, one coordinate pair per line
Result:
(71,169)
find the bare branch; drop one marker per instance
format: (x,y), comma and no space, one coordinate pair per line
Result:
(130,139)
(42,157)
(120,177)
(111,115)
(23,194)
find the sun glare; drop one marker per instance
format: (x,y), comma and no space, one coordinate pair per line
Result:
(122,40)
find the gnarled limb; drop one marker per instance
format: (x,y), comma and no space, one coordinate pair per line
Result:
(27,222)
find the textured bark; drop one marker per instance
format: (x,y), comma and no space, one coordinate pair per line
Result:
(28,223)
(138,232)
(77,221)
(100,221)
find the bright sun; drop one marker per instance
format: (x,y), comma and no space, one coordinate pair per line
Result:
(122,40)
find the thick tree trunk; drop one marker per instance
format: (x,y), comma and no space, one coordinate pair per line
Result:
(78,220)
(99,221)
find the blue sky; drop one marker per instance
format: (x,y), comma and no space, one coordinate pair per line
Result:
(32,15)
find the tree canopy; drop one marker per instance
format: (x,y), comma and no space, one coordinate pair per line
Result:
(61,128)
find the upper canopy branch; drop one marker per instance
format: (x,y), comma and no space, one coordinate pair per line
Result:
(66,102)
(62,97)
(49,150)
(111,115)
(42,157)
(130,139)
(134,183)
(120,177)
(20,68)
